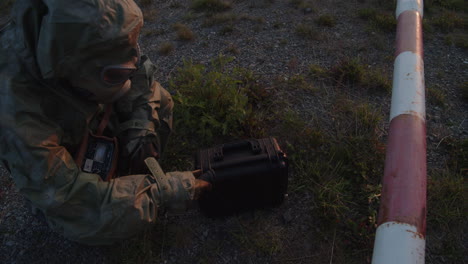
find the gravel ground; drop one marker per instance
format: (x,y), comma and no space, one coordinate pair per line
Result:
(262,38)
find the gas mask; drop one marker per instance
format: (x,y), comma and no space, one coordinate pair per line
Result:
(104,82)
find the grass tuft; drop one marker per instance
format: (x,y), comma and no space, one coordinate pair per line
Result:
(257,236)
(307,31)
(184,33)
(353,72)
(457,39)
(453,5)
(378,21)
(326,21)
(166,48)
(446,216)
(348,71)
(226,30)
(367,13)
(317,71)
(436,96)
(448,22)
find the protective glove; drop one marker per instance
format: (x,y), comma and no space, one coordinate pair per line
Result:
(175,191)
(208,176)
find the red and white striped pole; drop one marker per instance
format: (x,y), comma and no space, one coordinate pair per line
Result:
(400,236)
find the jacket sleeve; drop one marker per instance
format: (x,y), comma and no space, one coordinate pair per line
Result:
(146,110)
(80,205)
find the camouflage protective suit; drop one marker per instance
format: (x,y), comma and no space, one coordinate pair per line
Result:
(43,118)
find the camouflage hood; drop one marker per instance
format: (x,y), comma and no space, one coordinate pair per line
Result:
(58,38)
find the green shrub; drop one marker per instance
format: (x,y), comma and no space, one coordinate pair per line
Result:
(211,101)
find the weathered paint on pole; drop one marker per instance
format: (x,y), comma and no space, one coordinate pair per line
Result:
(400,236)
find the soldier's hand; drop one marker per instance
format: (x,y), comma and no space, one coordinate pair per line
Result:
(201,187)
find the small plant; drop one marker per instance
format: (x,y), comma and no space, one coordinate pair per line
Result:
(378,21)
(436,96)
(317,71)
(448,22)
(348,71)
(384,22)
(447,215)
(454,5)
(326,20)
(226,30)
(299,82)
(458,161)
(211,5)
(457,39)
(183,32)
(367,13)
(307,31)
(211,101)
(277,25)
(166,48)
(376,81)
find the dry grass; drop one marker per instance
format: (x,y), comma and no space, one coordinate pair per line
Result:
(184,33)
(166,48)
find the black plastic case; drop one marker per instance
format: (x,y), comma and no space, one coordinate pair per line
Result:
(249,174)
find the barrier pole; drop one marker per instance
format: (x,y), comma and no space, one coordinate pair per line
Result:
(401,231)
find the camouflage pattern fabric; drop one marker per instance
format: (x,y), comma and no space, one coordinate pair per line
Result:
(43,119)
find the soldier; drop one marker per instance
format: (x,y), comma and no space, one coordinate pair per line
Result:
(80,113)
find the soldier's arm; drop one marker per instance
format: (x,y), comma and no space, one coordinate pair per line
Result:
(80,205)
